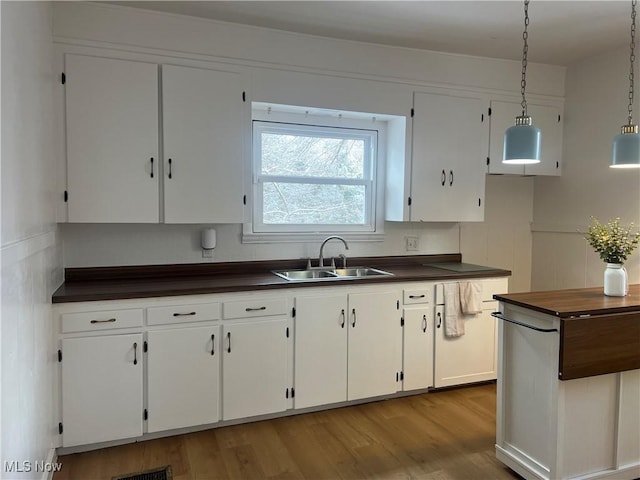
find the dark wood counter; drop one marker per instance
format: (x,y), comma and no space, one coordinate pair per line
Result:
(116,283)
(598,334)
(575,302)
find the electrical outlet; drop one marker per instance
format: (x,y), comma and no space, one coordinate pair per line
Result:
(207,253)
(411,243)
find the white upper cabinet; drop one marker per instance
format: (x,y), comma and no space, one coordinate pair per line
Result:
(114,173)
(547,118)
(202,125)
(112,140)
(450,134)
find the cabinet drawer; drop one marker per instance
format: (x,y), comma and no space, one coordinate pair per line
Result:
(104,320)
(418,295)
(254,308)
(490,286)
(183,313)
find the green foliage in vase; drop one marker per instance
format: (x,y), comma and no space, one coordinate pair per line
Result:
(613,242)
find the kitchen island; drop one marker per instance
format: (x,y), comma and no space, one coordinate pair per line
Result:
(568,401)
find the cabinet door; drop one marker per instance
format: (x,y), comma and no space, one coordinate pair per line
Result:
(545,117)
(202,133)
(101,388)
(418,348)
(254,368)
(320,350)
(375,342)
(183,377)
(450,139)
(112,140)
(471,357)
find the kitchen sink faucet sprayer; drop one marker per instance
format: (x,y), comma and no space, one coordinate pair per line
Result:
(321,257)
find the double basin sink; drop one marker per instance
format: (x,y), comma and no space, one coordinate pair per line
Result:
(317,274)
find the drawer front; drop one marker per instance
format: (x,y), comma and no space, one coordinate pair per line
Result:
(183,313)
(490,286)
(418,295)
(254,308)
(104,320)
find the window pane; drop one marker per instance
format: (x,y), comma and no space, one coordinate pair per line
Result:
(310,156)
(296,203)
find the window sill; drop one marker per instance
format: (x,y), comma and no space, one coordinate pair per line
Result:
(295,237)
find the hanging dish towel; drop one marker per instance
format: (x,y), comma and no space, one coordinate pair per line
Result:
(471,297)
(453,322)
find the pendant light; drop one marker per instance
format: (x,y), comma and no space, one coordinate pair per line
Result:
(626,146)
(522,141)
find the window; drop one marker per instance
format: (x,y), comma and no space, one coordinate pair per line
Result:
(310,178)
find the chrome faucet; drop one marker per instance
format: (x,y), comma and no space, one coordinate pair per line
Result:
(321,257)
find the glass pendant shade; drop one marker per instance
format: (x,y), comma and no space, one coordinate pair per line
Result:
(626,148)
(522,143)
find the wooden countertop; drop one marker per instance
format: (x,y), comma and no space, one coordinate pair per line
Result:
(575,302)
(116,283)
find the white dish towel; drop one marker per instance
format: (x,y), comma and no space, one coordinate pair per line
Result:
(453,321)
(471,297)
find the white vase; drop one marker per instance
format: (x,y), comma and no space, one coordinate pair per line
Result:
(615,280)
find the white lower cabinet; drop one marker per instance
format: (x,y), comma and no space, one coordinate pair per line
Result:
(375,343)
(183,377)
(101,388)
(254,367)
(471,357)
(320,354)
(347,347)
(417,365)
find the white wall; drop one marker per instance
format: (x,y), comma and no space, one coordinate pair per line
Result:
(285,68)
(31,253)
(595,109)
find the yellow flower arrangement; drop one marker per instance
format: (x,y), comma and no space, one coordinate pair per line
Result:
(611,241)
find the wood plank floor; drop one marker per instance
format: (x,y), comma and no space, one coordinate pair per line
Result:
(444,435)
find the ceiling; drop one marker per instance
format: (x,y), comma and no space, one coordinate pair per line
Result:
(560,32)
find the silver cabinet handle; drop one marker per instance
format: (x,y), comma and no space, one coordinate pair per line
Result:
(343,318)
(135,353)
(424,324)
(110,320)
(190,314)
(250,309)
(439,320)
(353,313)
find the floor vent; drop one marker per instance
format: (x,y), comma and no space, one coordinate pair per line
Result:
(163,473)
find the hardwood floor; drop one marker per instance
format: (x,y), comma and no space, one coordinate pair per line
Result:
(446,435)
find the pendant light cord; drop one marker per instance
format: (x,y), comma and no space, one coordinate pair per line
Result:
(632,58)
(525,51)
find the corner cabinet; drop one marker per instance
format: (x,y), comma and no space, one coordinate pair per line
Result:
(548,118)
(116,111)
(450,138)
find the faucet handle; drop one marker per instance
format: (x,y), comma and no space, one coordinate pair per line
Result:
(308,263)
(333,262)
(344,260)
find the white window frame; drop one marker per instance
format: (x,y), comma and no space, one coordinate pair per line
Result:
(350,128)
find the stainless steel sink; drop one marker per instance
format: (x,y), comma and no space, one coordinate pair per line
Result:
(300,275)
(329,274)
(360,272)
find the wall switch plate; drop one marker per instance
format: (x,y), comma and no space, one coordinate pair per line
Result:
(207,253)
(411,243)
